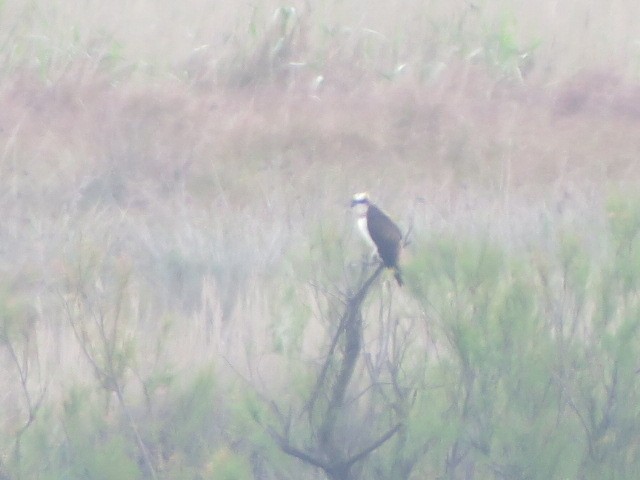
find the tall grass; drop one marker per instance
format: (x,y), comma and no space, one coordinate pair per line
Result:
(175,241)
(515,359)
(334,39)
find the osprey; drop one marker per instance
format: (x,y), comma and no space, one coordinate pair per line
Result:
(379,231)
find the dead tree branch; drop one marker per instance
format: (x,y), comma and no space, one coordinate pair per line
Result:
(328,454)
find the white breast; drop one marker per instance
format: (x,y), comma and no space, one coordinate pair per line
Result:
(362,226)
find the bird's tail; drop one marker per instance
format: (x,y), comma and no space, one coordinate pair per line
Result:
(398,275)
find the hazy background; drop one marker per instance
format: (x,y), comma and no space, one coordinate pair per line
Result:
(189,164)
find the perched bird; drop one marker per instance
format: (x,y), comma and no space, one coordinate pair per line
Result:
(379,231)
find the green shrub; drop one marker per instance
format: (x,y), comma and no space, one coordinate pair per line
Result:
(537,360)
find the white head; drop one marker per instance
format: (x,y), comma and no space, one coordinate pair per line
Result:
(360,203)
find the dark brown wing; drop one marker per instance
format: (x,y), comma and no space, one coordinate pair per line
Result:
(385,234)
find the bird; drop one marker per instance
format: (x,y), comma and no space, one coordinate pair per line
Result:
(380,232)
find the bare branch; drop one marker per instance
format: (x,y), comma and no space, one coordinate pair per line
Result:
(351,306)
(289,449)
(375,445)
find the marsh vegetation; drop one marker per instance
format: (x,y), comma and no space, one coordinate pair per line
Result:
(181,281)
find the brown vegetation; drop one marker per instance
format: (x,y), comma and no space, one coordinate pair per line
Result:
(167,175)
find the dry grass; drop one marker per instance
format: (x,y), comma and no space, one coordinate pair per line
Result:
(178,143)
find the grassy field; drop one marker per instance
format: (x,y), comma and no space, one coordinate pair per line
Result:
(176,245)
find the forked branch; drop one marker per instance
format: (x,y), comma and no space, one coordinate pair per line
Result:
(327,455)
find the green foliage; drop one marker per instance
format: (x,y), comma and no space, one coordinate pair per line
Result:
(17,317)
(503,50)
(518,363)
(91,447)
(225,465)
(538,365)
(189,428)
(291,316)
